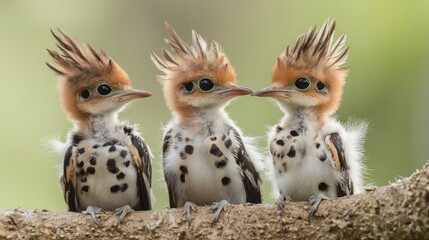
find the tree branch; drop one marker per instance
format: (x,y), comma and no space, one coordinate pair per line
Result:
(398,211)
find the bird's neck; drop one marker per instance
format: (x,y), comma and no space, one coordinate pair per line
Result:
(99,125)
(303,120)
(208,120)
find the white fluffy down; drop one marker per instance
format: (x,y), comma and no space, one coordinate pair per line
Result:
(352,134)
(106,127)
(203,183)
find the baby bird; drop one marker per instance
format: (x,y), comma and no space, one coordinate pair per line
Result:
(107,165)
(313,155)
(206,159)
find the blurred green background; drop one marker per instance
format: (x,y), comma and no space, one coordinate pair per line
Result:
(388,82)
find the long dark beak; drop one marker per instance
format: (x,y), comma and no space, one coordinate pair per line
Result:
(131,94)
(234,90)
(271,92)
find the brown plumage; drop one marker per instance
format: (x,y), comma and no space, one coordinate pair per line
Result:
(78,61)
(180,65)
(317,50)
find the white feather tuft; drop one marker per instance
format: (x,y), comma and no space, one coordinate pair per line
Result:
(353,135)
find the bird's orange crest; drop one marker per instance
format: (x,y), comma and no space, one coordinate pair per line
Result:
(80,62)
(314,54)
(192,62)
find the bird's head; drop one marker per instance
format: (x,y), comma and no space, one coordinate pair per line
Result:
(310,74)
(91,83)
(197,76)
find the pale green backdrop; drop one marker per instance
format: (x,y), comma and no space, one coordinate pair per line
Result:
(388,82)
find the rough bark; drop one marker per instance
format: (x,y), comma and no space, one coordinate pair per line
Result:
(398,211)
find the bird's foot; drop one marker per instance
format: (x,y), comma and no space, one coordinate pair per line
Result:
(188,207)
(315,202)
(219,206)
(90,210)
(122,212)
(281,201)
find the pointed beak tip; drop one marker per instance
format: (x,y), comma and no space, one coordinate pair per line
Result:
(140,94)
(262,92)
(244,90)
(148,94)
(256,93)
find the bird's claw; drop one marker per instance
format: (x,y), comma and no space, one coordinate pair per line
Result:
(122,212)
(188,207)
(219,206)
(315,202)
(90,210)
(281,201)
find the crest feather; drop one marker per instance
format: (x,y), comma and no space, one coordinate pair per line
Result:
(77,61)
(184,58)
(316,50)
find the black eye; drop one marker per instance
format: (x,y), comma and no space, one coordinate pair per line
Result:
(104,89)
(302,83)
(85,94)
(320,86)
(189,86)
(206,84)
